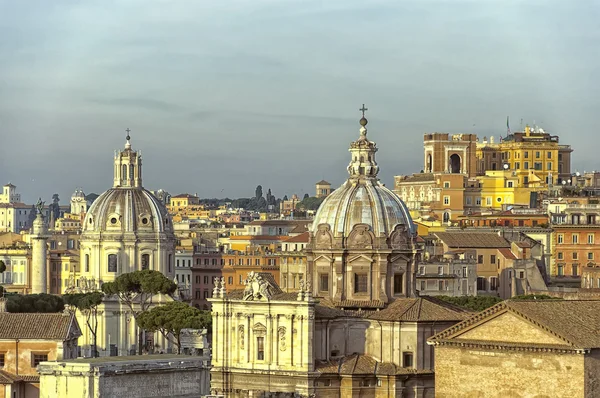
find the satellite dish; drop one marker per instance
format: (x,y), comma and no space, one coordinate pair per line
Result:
(505,166)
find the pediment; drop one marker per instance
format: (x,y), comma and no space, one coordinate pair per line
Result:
(323,257)
(360,257)
(401,257)
(507,327)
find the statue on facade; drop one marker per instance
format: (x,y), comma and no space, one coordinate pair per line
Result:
(257,287)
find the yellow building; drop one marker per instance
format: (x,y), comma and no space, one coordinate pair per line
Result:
(530,153)
(498,188)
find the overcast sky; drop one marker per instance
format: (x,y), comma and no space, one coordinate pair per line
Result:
(224,95)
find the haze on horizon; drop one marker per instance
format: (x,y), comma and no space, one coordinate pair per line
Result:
(223,96)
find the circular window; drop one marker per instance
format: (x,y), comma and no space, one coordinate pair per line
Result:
(144,221)
(113,220)
(499,199)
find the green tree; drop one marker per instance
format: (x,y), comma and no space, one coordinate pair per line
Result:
(34,303)
(2,266)
(474,303)
(171,318)
(310,203)
(258,192)
(139,287)
(88,304)
(535,297)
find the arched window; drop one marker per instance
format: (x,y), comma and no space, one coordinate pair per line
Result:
(124,172)
(112,263)
(145,261)
(455,163)
(131,171)
(446,216)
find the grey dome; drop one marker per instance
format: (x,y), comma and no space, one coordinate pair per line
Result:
(121,210)
(364,202)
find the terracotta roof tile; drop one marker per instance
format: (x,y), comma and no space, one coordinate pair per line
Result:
(507,253)
(323,182)
(35,326)
(575,321)
(302,238)
(472,239)
(421,309)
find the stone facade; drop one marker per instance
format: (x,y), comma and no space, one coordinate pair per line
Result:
(526,349)
(133,377)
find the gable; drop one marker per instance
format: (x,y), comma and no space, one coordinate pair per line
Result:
(510,328)
(361,258)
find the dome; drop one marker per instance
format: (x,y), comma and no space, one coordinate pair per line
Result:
(362,199)
(123,210)
(363,203)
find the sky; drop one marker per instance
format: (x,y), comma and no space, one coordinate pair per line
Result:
(221,96)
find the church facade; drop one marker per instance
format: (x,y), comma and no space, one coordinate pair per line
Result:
(356,327)
(126,229)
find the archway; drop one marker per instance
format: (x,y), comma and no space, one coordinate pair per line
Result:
(455,163)
(428,167)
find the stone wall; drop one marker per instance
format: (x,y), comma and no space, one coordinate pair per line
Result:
(468,372)
(131,377)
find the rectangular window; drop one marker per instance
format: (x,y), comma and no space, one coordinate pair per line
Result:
(260,348)
(37,358)
(488,201)
(407,359)
(517,165)
(493,259)
(560,238)
(177,263)
(575,270)
(230,280)
(446,200)
(468,200)
(559,255)
(324,282)
(560,270)
(526,165)
(590,238)
(526,155)
(112,263)
(575,238)
(575,256)
(441,286)
(537,165)
(509,184)
(590,256)
(549,165)
(1,360)
(446,184)
(361,283)
(478,201)
(206,280)
(197,279)
(493,283)
(537,154)
(422,286)
(398,282)
(241,279)
(480,259)
(525,180)
(465,272)
(481,283)
(440,270)
(549,155)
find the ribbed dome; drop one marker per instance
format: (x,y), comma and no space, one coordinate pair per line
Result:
(122,210)
(363,199)
(367,202)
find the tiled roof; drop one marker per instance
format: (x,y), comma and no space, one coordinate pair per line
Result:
(238,294)
(507,253)
(300,227)
(361,364)
(184,195)
(54,326)
(323,182)
(421,309)
(421,177)
(472,239)
(302,238)
(524,244)
(575,321)
(8,378)
(359,304)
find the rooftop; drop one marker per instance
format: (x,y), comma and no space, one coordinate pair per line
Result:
(35,326)
(472,239)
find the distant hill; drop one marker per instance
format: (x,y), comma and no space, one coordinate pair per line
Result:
(91,197)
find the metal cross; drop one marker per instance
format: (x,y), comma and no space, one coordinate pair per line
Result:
(363,109)
(127,129)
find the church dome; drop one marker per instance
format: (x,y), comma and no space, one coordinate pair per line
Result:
(121,210)
(362,199)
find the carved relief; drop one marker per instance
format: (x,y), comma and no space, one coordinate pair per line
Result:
(259,330)
(257,288)
(281,333)
(323,237)
(241,336)
(360,237)
(399,239)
